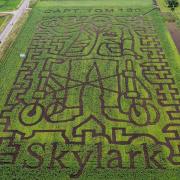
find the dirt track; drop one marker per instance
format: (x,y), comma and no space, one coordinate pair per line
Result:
(175,33)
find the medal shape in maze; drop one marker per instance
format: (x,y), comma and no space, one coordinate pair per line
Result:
(102,74)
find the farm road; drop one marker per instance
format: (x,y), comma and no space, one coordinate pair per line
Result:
(17,14)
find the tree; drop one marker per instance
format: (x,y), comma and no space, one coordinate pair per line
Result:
(172,4)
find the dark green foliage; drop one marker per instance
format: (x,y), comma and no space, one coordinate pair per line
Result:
(172,4)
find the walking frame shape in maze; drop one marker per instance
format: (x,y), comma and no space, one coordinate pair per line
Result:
(97,78)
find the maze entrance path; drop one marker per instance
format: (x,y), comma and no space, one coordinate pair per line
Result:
(99,78)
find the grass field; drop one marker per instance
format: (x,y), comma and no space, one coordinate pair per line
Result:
(95,97)
(3,21)
(6,5)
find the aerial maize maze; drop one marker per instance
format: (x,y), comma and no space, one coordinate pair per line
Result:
(95,90)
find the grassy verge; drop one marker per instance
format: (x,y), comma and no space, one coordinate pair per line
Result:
(4,19)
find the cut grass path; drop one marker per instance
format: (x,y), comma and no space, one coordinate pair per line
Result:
(104,3)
